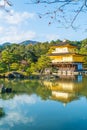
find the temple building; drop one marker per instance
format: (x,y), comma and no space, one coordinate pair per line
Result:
(65,58)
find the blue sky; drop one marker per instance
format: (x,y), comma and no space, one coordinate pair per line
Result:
(23,23)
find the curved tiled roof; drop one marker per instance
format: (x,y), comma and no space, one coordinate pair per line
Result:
(65,43)
(68,53)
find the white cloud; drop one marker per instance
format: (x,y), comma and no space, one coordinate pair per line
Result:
(14,34)
(1,29)
(50,37)
(15,114)
(16,118)
(21,99)
(16,17)
(13,27)
(1,2)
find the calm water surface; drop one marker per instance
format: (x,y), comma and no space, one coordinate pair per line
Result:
(45,105)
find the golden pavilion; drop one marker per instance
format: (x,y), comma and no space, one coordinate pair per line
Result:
(65,58)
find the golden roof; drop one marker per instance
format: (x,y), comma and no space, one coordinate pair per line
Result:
(63,44)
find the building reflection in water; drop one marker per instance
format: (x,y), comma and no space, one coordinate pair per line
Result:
(65,89)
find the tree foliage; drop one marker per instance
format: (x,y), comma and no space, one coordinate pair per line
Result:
(32,58)
(43,62)
(83,50)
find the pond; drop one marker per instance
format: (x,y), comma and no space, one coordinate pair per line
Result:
(49,104)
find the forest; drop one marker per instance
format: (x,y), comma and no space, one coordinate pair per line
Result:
(32,58)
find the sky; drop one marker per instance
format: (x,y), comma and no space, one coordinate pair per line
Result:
(23,23)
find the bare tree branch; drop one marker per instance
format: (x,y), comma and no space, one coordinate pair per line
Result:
(4,4)
(59,14)
(77,14)
(65,12)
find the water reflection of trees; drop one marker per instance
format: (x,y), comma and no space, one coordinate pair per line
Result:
(2,112)
(25,87)
(63,90)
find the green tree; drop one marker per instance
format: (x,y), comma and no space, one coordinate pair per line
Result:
(3,67)
(14,66)
(31,69)
(41,48)
(43,62)
(7,58)
(83,50)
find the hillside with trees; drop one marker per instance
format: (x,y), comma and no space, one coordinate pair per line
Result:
(32,57)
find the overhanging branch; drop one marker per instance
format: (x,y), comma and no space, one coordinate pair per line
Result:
(60,13)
